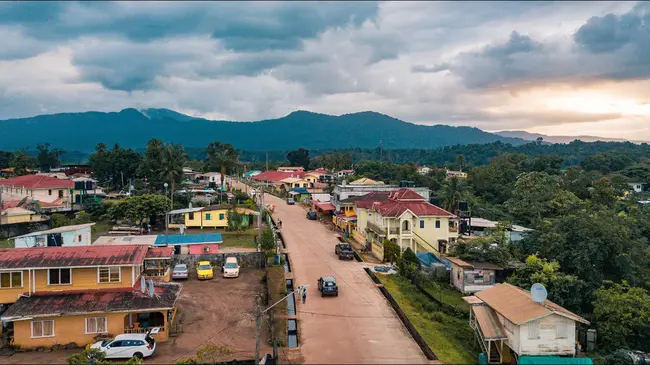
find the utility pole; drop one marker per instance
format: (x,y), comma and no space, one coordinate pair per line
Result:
(166,221)
(381,150)
(259,217)
(259,321)
(267,160)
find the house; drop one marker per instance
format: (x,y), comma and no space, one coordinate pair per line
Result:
(361,206)
(30,204)
(299,194)
(58,295)
(37,187)
(470,276)
(639,187)
(213,216)
(423,170)
(10,172)
(507,321)
(191,243)
(76,235)
(481,227)
(406,218)
(291,168)
(344,173)
(344,190)
(189,174)
(458,174)
(209,178)
(20,215)
(157,263)
(366,181)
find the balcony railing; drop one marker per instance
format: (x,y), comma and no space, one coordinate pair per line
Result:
(377,229)
(142,330)
(453,228)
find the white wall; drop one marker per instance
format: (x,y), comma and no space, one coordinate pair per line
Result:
(548,343)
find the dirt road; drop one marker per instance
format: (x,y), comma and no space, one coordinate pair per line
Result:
(358,326)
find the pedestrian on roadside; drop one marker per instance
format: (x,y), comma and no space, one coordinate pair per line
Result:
(304,295)
(279,224)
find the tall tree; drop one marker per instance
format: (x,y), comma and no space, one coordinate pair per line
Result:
(460,162)
(5,157)
(299,157)
(152,164)
(47,159)
(453,191)
(221,157)
(171,169)
(21,162)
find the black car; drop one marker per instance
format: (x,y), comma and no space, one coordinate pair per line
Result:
(327,286)
(344,251)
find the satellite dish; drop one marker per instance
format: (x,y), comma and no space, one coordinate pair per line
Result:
(538,292)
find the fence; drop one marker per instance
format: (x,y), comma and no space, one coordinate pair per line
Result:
(246,259)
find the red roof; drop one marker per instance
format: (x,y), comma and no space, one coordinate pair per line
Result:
(48,304)
(47,257)
(159,252)
(320,171)
(278,175)
(14,203)
(37,182)
(325,206)
(401,200)
(366,201)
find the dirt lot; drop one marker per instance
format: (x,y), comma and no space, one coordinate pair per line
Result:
(218,311)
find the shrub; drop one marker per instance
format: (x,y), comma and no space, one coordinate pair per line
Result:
(207,354)
(391,251)
(408,264)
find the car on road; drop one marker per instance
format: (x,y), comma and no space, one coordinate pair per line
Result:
(231,268)
(291,201)
(125,346)
(327,286)
(180,272)
(204,270)
(312,216)
(344,251)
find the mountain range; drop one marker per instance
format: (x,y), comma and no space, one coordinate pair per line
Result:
(132,128)
(558,139)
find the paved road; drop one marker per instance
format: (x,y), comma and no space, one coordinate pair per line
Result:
(358,326)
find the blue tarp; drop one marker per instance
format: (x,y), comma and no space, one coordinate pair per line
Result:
(300,190)
(189,239)
(427,258)
(554,360)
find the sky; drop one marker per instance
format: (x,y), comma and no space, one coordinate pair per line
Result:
(558,68)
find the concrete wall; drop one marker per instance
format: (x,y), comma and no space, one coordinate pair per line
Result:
(245,259)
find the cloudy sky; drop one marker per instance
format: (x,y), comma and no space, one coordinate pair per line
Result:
(548,67)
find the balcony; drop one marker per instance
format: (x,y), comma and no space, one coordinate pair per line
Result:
(453,228)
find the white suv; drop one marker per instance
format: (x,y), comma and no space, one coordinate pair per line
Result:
(231,268)
(126,346)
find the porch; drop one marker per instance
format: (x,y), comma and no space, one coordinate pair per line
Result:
(488,331)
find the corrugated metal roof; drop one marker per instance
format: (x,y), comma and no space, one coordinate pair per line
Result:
(126,240)
(53,257)
(189,239)
(186,210)
(37,182)
(489,323)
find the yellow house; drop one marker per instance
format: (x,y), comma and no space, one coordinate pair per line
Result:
(294,182)
(58,295)
(19,215)
(214,216)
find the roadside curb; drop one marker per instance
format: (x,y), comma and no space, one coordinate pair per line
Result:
(402,316)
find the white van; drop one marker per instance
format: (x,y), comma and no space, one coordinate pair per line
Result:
(231,268)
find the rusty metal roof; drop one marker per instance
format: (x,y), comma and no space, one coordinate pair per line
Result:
(52,257)
(93,301)
(488,323)
(160,252)
(518,306)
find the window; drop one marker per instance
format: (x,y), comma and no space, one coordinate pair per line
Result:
(42,329)
(11,279)
(60,193)
(108,274)
(478,278)
(561,330)
(40,241)
(96,325)
(49,192)
(533,330)
(222,216)
(59,276)
(437,223)
(207,216)
(191,216)
(79,238)
(422,223)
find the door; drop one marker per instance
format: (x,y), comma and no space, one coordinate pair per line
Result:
(114,349)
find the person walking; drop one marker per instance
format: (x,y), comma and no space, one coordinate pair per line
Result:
(304,295)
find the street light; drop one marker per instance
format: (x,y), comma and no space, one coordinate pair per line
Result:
(166,219)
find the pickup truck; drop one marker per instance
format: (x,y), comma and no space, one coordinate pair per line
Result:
(344,251)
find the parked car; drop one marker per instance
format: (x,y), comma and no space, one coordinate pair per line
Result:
(327,286)
(344,251)
(179,272)
(291,201)
(127,345)
(204,270)
(231,268)
(312,216)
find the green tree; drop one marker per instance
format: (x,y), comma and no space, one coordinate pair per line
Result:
(267,242)
(392,251)
(299,157)
(139,208)
(21,163)
(408,264)
(538,195)
(622,316)
(482,249)
(460,162)
(47,159)
(221,157)
(565,290)
(5,157)
(453,191)
(173,160)
(152,164)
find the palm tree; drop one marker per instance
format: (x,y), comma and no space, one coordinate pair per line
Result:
(452,191)
(222,157)
(173,160)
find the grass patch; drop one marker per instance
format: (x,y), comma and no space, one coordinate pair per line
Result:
(239,239)
(100,228)
(450,338)
(447,295)
(278,289)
